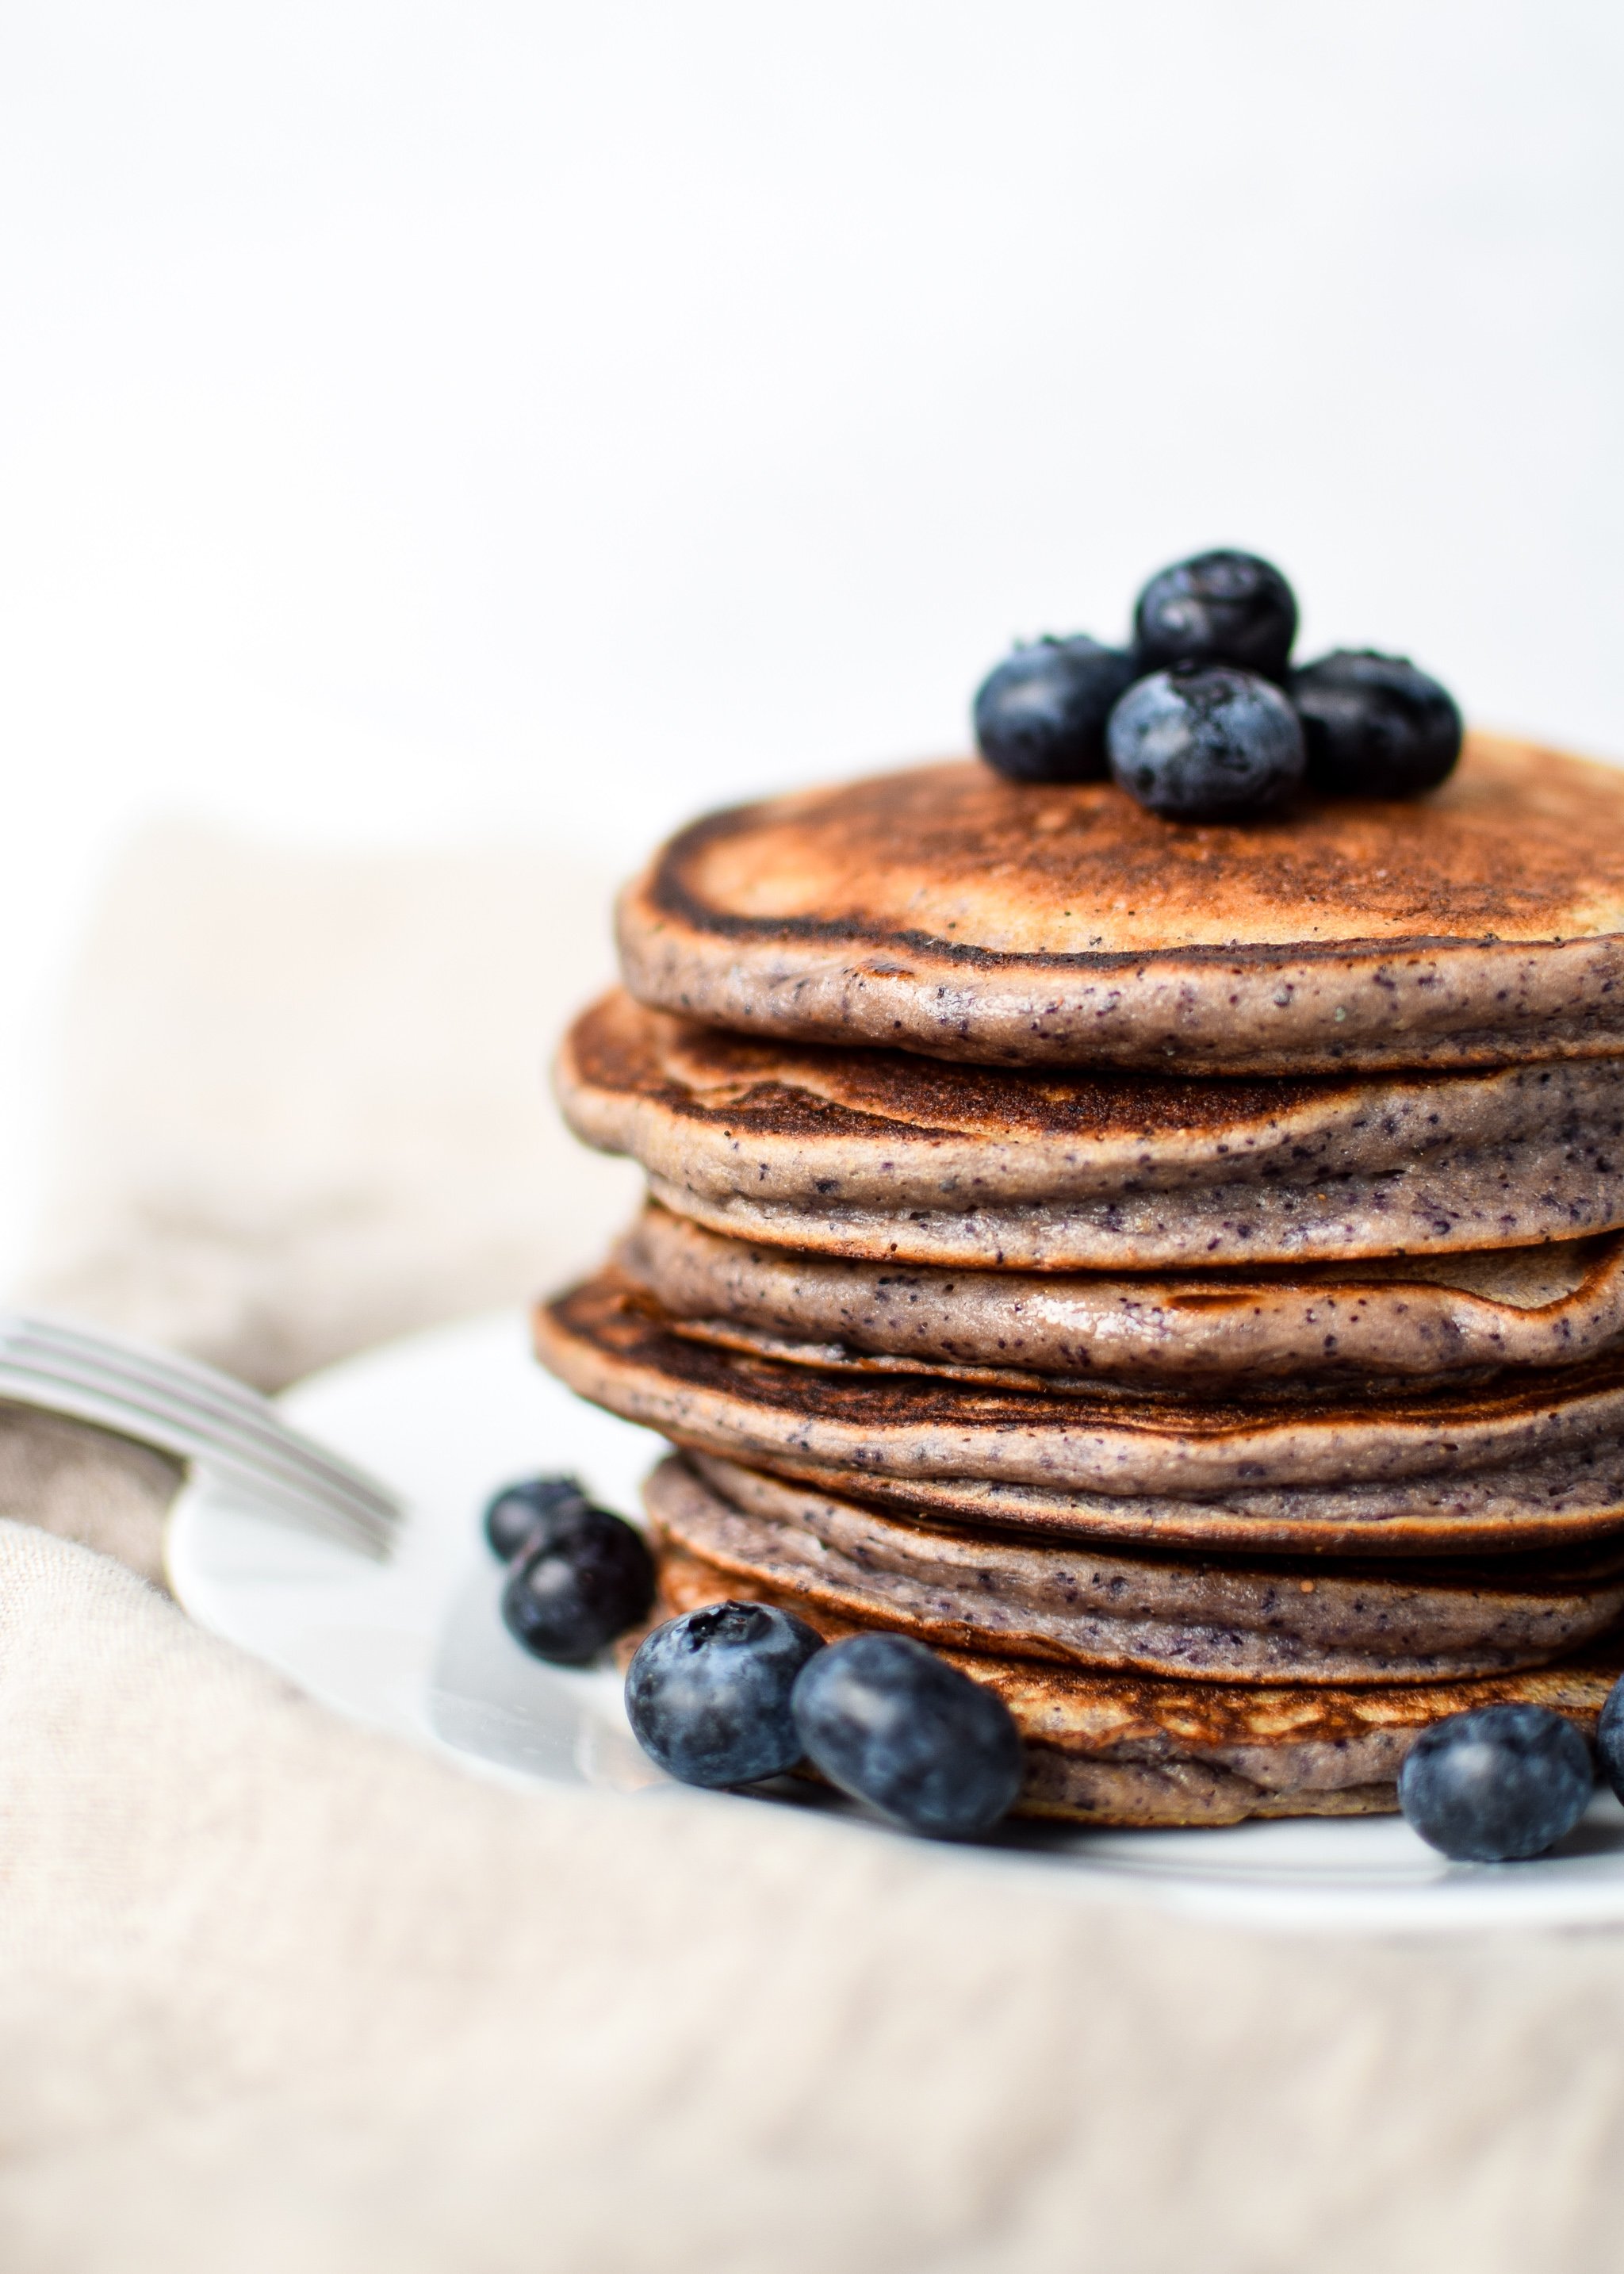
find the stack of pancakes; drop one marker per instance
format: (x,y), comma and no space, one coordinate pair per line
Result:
(1178,1272)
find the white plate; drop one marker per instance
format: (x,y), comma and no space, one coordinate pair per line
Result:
(416,1646)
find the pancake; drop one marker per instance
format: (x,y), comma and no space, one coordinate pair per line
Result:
(1285,1620)
(881,1156)
(945,910)
(1574,1496)
(1125,1748)
(1427,1319)
(604,1341)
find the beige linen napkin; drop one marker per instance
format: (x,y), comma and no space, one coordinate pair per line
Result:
(275,1994)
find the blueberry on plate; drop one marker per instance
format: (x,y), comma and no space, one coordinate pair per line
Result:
(1040,716)
(1220,607)
(890,1722)
(569,1594)
(519,1513)
(708,1693)
(1496,1785)
(1198,743)
(1374,725)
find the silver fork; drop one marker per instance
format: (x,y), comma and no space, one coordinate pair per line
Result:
(202,1416)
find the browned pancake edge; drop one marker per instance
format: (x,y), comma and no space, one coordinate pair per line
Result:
(875,1154)
(1268,1621)
(1135,1750)
(1556,1305)
(606,1341)
(944,910)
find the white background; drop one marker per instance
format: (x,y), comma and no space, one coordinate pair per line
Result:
(427,421)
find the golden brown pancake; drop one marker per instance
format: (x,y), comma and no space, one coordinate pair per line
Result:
(941,909)
(1428,1319)
(1277,1620)
(880,1156)
(1125,1748)
(606,1341)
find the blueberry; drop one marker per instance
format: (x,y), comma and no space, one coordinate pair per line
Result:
(1040,716)
(1205,744)
(1610,1738)
(1221,608)
(1374,726)
(708,1694)
(1503,1783)
(888,1720)
(519,1513)
(568,1595)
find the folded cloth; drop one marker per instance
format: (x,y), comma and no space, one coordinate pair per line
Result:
(85,1485)
(277,1993)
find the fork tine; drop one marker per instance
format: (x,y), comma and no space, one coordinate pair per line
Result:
(196,1426)
(174,1377)
(170,1370)
(118,1412)
(275,1453)
(239,1415)
(186,1408)
(203,1439)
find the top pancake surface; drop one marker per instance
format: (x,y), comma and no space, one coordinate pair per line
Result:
(944,910)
